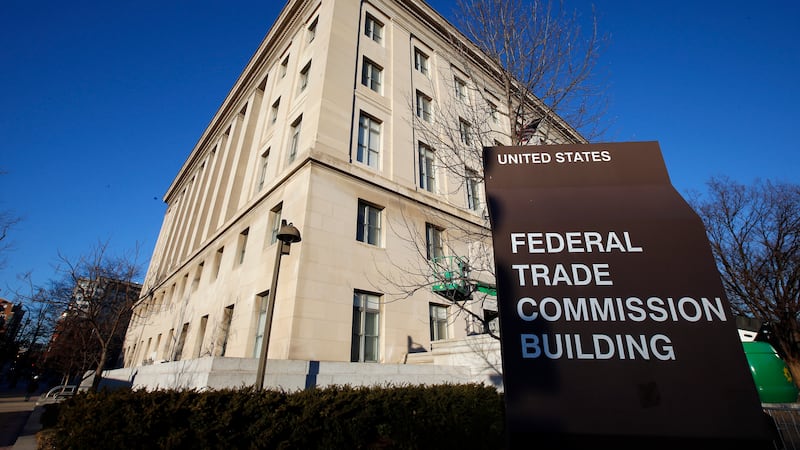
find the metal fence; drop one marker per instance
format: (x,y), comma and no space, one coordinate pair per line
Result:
(786,417)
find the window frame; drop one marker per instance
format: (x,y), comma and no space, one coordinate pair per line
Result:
(493,113)
(424,109)
(225,328)
(472,185)
(434,242)
(177,352)
(304,77)
(370,131)
(464,131)
(373,28)
(217,265)
(312,30)
(438,321)
(262,300)
(426,156)
(366,311)
(294,139)
(275,222)
(367,231)
(242,246)
(263,167)
(284,66)
(460,89)
(421,62)
(372,75)
(275,108)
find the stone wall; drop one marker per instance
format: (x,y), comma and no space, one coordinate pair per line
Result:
(289,375)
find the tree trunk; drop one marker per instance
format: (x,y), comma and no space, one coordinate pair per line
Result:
(784,333)
(98,371)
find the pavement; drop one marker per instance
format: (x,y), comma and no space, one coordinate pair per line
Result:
(19,419)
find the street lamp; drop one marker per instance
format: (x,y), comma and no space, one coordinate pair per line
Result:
(287,235)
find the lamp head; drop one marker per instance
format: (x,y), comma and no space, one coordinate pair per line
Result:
(288,233)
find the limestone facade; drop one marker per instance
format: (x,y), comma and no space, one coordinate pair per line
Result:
(319,130)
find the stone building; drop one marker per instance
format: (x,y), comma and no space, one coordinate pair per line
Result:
(338,124)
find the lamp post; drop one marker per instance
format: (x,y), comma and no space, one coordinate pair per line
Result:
(287,234)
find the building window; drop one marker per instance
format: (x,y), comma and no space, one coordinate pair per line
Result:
(217,263)
(312,30)
(185,285)
(420,61)
(427,175)
(373,29)
(434,242)
(493,112)
(294,140)
(225,329)
(147,351)
(284,66)
(368,223)
(461,89)
(170,337)
(156,347)
(196,282)
(473,184)
(178,353)
(261,304)
(423,106)
(366,325)
(262,171)
(369,141)
(438,322)
(371,75)
(275,223)
(243,244)
(274,113)
(201,335)
(464,131)
(304,76)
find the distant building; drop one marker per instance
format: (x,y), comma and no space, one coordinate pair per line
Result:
(10,319)
(105,302)
(319,130)
(10,322)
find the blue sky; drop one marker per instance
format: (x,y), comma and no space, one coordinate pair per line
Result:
(103,101)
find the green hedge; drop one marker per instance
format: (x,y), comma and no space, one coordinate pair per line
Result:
(463,416)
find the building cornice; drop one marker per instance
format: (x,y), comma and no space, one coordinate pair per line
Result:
(272,46)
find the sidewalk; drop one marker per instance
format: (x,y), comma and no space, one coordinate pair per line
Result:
(19,420)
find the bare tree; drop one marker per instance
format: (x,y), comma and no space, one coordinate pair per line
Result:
(755,237)
(547,59)
(97,296)
(35,328)
(7,222)
(72,349)
(526,75)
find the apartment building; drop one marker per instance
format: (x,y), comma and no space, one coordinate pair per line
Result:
(99,309)
(10,320)
(340,125)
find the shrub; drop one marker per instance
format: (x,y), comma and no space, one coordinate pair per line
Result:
(390,417)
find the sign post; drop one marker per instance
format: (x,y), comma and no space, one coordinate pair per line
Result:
(614,323)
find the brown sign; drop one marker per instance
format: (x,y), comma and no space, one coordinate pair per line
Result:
(615,327)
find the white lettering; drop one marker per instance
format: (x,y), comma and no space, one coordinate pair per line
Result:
(570,275)
(597,346)
(574,242)
(515,242)
(613,309)
(521,309)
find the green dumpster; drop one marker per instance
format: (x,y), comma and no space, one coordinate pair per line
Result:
(770,373)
